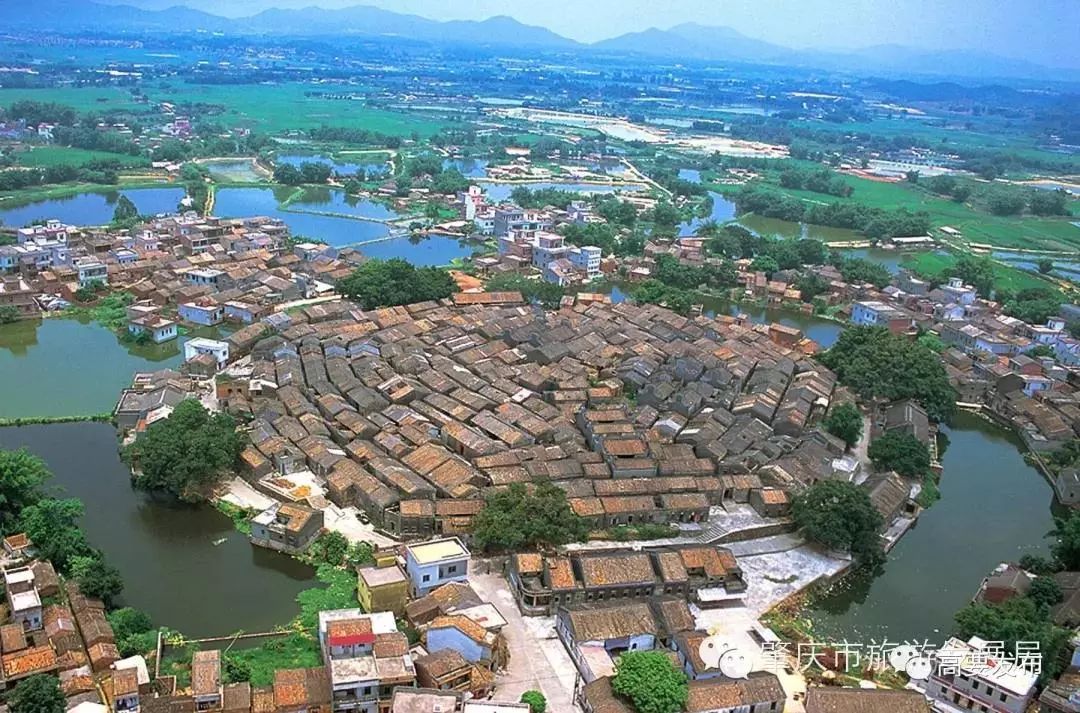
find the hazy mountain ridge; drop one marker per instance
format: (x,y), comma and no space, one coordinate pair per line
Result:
(684,41)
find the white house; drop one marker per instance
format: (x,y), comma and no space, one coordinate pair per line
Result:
(201,345)
(432,564)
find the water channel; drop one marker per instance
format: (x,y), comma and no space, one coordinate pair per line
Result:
(185,566)
(994,508)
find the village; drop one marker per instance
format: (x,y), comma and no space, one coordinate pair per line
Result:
(681,440)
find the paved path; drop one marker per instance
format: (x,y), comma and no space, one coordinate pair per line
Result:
(538,660)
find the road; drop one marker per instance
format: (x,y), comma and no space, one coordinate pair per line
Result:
(538,660)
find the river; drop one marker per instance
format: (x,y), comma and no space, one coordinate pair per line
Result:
(994,508)
(92,208)
(166,553)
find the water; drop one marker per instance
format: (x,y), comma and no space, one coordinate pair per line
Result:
(723,210)
(1066,268)
(892,260)
(788,229)
(690,174)
(92,208)
(823,331)
(172,570)
(428,251)
(994,508)
(338,231)
(323,199)
(498,192)
(343,168)
(245,202)
(64,367)
(468,167)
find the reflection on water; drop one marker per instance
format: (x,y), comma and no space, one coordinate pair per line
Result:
(92,208)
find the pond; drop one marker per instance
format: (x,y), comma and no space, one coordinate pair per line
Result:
(468,167)
(723,210)
(823,331)
(340,231)
(690,174)
(343,168)
(65,367)
(244,202)
(92,208)
(994,508)
(498,192)
(171,566)
(788,229)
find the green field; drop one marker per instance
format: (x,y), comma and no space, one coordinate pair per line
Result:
(977,226)
(268,108)
(1008,278)
(45,156)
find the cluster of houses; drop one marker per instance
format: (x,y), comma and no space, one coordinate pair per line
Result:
(409,416)
(52,628)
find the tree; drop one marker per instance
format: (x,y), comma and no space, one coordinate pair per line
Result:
(766,264)
(97,578)
(135,633)
(21,475)
(1045,591)
(53,526)
(976,271)
(535,700)
(387,283)
(876,363)
(845,422)
(1037,564)
(125,211)
(331,547)
(902,452)
(543,292)
(37,694)
(9,314)
(187,453)
(236,670)
(1046,265)
(515,519)
(840,516)
(1016,619)
(1067,548)
(651,682)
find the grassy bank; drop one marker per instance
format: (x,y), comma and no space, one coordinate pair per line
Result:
(46,420)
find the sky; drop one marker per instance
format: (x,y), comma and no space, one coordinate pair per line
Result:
(1042,31)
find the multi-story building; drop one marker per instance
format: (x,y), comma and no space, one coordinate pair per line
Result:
(366,658)
(206,684)
(431,564)
(970,676)
(872,313)
(24,602)
(91,270)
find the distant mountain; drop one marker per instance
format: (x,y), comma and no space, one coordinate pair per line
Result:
(688,41)
(82,16)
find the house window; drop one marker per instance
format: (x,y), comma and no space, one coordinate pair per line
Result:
(1004,698)
(452,569)
(426,578)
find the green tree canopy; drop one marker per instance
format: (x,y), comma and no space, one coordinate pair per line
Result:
(651,682)
(902,452)
(1017,619)
(877,363)
(125,210)
(535,700)
(515,519)
(845,422)
(53,526)
(1045,591)
(97,578)
(388,283)
(37,694)
(21,476)
(186,453)
(1066,549)
(840,516)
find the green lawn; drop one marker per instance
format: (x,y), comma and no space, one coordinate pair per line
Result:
(45,156)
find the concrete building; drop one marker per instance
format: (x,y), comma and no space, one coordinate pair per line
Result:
(218,350)
(382,587)
(967,677)
(287,527)
(431,564)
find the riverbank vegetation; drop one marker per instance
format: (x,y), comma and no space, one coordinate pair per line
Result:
(186,454)
(876,363)
(388,283)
